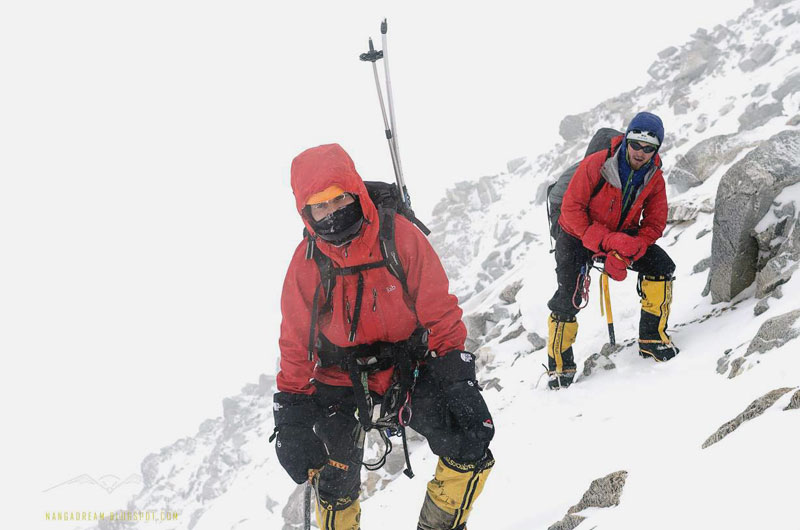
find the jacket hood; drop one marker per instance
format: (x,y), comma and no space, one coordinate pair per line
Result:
(320,167)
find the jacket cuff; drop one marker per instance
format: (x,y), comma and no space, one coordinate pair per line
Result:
(455,365)
(593,237)
(299,410)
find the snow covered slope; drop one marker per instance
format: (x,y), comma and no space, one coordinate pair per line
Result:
(708,440)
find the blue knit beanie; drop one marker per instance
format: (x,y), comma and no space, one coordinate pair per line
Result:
(646,122)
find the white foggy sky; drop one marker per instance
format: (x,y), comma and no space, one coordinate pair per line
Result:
(146,218)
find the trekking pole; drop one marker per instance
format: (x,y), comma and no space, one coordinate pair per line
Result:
(390,99)
(606,300)
(307,507)
(373,56)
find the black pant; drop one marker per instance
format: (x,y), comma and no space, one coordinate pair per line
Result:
(572,256)
(340,485)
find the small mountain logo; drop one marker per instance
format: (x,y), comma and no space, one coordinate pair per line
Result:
(109,483)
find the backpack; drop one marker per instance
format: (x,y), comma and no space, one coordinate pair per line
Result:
(388,202)
(555,191)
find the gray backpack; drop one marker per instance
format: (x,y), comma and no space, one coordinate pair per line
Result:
(555,191)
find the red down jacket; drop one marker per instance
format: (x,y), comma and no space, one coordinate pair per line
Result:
(386,313)
(590,218)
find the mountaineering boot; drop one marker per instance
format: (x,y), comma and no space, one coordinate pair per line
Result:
(452,493)
(561,333)
(656,293)
(332,516)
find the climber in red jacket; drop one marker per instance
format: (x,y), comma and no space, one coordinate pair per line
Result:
(357,331)
(615,209)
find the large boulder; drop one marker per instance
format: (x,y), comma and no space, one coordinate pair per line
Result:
(790,85)
(702,160)
(759,56)
(572,128)
(756,115)
(700,57)
(744,196)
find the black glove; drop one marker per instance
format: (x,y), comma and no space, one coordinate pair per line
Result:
(455,372)
(297,446)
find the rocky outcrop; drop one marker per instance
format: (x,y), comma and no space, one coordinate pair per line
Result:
(744,196)
(756,115)
(759,56)
(790,85)
(572,128)
(602,493)
(702,160)
(778,240)
(775,332)
(755,409)
(772,334)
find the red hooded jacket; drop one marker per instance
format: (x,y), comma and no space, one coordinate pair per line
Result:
(591,218)
(386,312)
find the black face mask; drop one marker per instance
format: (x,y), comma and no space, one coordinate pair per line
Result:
(341,226)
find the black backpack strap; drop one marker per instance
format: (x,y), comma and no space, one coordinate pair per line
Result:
(326,271)
(389,247)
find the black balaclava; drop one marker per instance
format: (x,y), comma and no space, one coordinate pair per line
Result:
(341,226)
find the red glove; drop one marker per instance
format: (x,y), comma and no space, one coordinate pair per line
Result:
(622,243)
(642,251)
(616,266)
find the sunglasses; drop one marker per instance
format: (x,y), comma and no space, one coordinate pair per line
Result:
(636,146)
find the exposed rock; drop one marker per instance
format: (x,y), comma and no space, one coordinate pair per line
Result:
(597,361)
(726,108)
(723,362)
(666,52)
(515,164)
(794,121)
(486,192)
(788,19)
(513,335)
(778,250)
(760,90)
(499,313)
(702,265)
(569,522)
(761,307)
(476,324)
(702,123)
(702,233)
(795,402)
(766,5)
(492,265)
(790,85)
(509,293)
(755,409)
(572,128)
(744,196)
(756,115)
(680,211)
(700,57)
(775,332)
(737,367)
(760,56)
(602,493)
(494,333)
(536,341)
(683,106)
(702,160)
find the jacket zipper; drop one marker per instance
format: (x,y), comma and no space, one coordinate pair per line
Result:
(374,299)
(347,309)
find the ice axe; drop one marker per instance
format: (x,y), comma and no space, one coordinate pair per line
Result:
(605,303)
